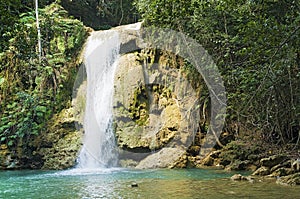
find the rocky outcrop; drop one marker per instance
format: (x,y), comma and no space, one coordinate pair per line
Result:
(279,167)
(56,148)
(8,159)
(59,146)
(153,108)
(293,179)
(272,160)
(262,171)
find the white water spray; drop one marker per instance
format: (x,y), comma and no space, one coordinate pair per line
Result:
(99,148)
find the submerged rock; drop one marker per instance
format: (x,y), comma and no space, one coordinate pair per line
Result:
(236,177)
(239,177)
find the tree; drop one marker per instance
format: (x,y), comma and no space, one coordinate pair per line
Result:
(9,14)
(256,47)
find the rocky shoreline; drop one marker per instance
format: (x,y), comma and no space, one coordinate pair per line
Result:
(277,167)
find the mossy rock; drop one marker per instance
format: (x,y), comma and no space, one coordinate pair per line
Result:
(60,144)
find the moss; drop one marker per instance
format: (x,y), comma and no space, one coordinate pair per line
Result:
(139,106)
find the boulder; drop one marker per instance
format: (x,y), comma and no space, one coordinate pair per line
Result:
(285,164)
(272,160)
(262,171)
(293,179)
(128,163)
(239,177)
(281,172)
(165,158)
(236,177)
(210,160)
(207,161)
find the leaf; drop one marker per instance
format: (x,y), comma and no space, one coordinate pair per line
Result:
(49,70)
(20,133)
(42,109)
(1,80)
(38,80)
(10,143)
(29,25)
(4,127)
(10,124)
(13,136)
(39,114)
(34,132)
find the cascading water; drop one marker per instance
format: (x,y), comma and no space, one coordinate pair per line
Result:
(99,148)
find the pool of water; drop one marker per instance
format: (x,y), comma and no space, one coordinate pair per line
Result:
(116,183)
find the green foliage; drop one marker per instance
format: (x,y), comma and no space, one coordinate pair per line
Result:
(9,12)
(255,44)
(24,117)
(117,12)
(102,14)
(32,91)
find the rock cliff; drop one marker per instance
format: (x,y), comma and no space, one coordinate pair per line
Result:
(155,106)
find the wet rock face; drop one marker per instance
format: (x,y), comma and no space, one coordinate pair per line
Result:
(154,108)
(58,148)
(6,160)
(55,148)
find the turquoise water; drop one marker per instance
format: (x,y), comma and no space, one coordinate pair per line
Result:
(116,183)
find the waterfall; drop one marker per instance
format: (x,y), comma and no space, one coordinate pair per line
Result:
(101,55)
